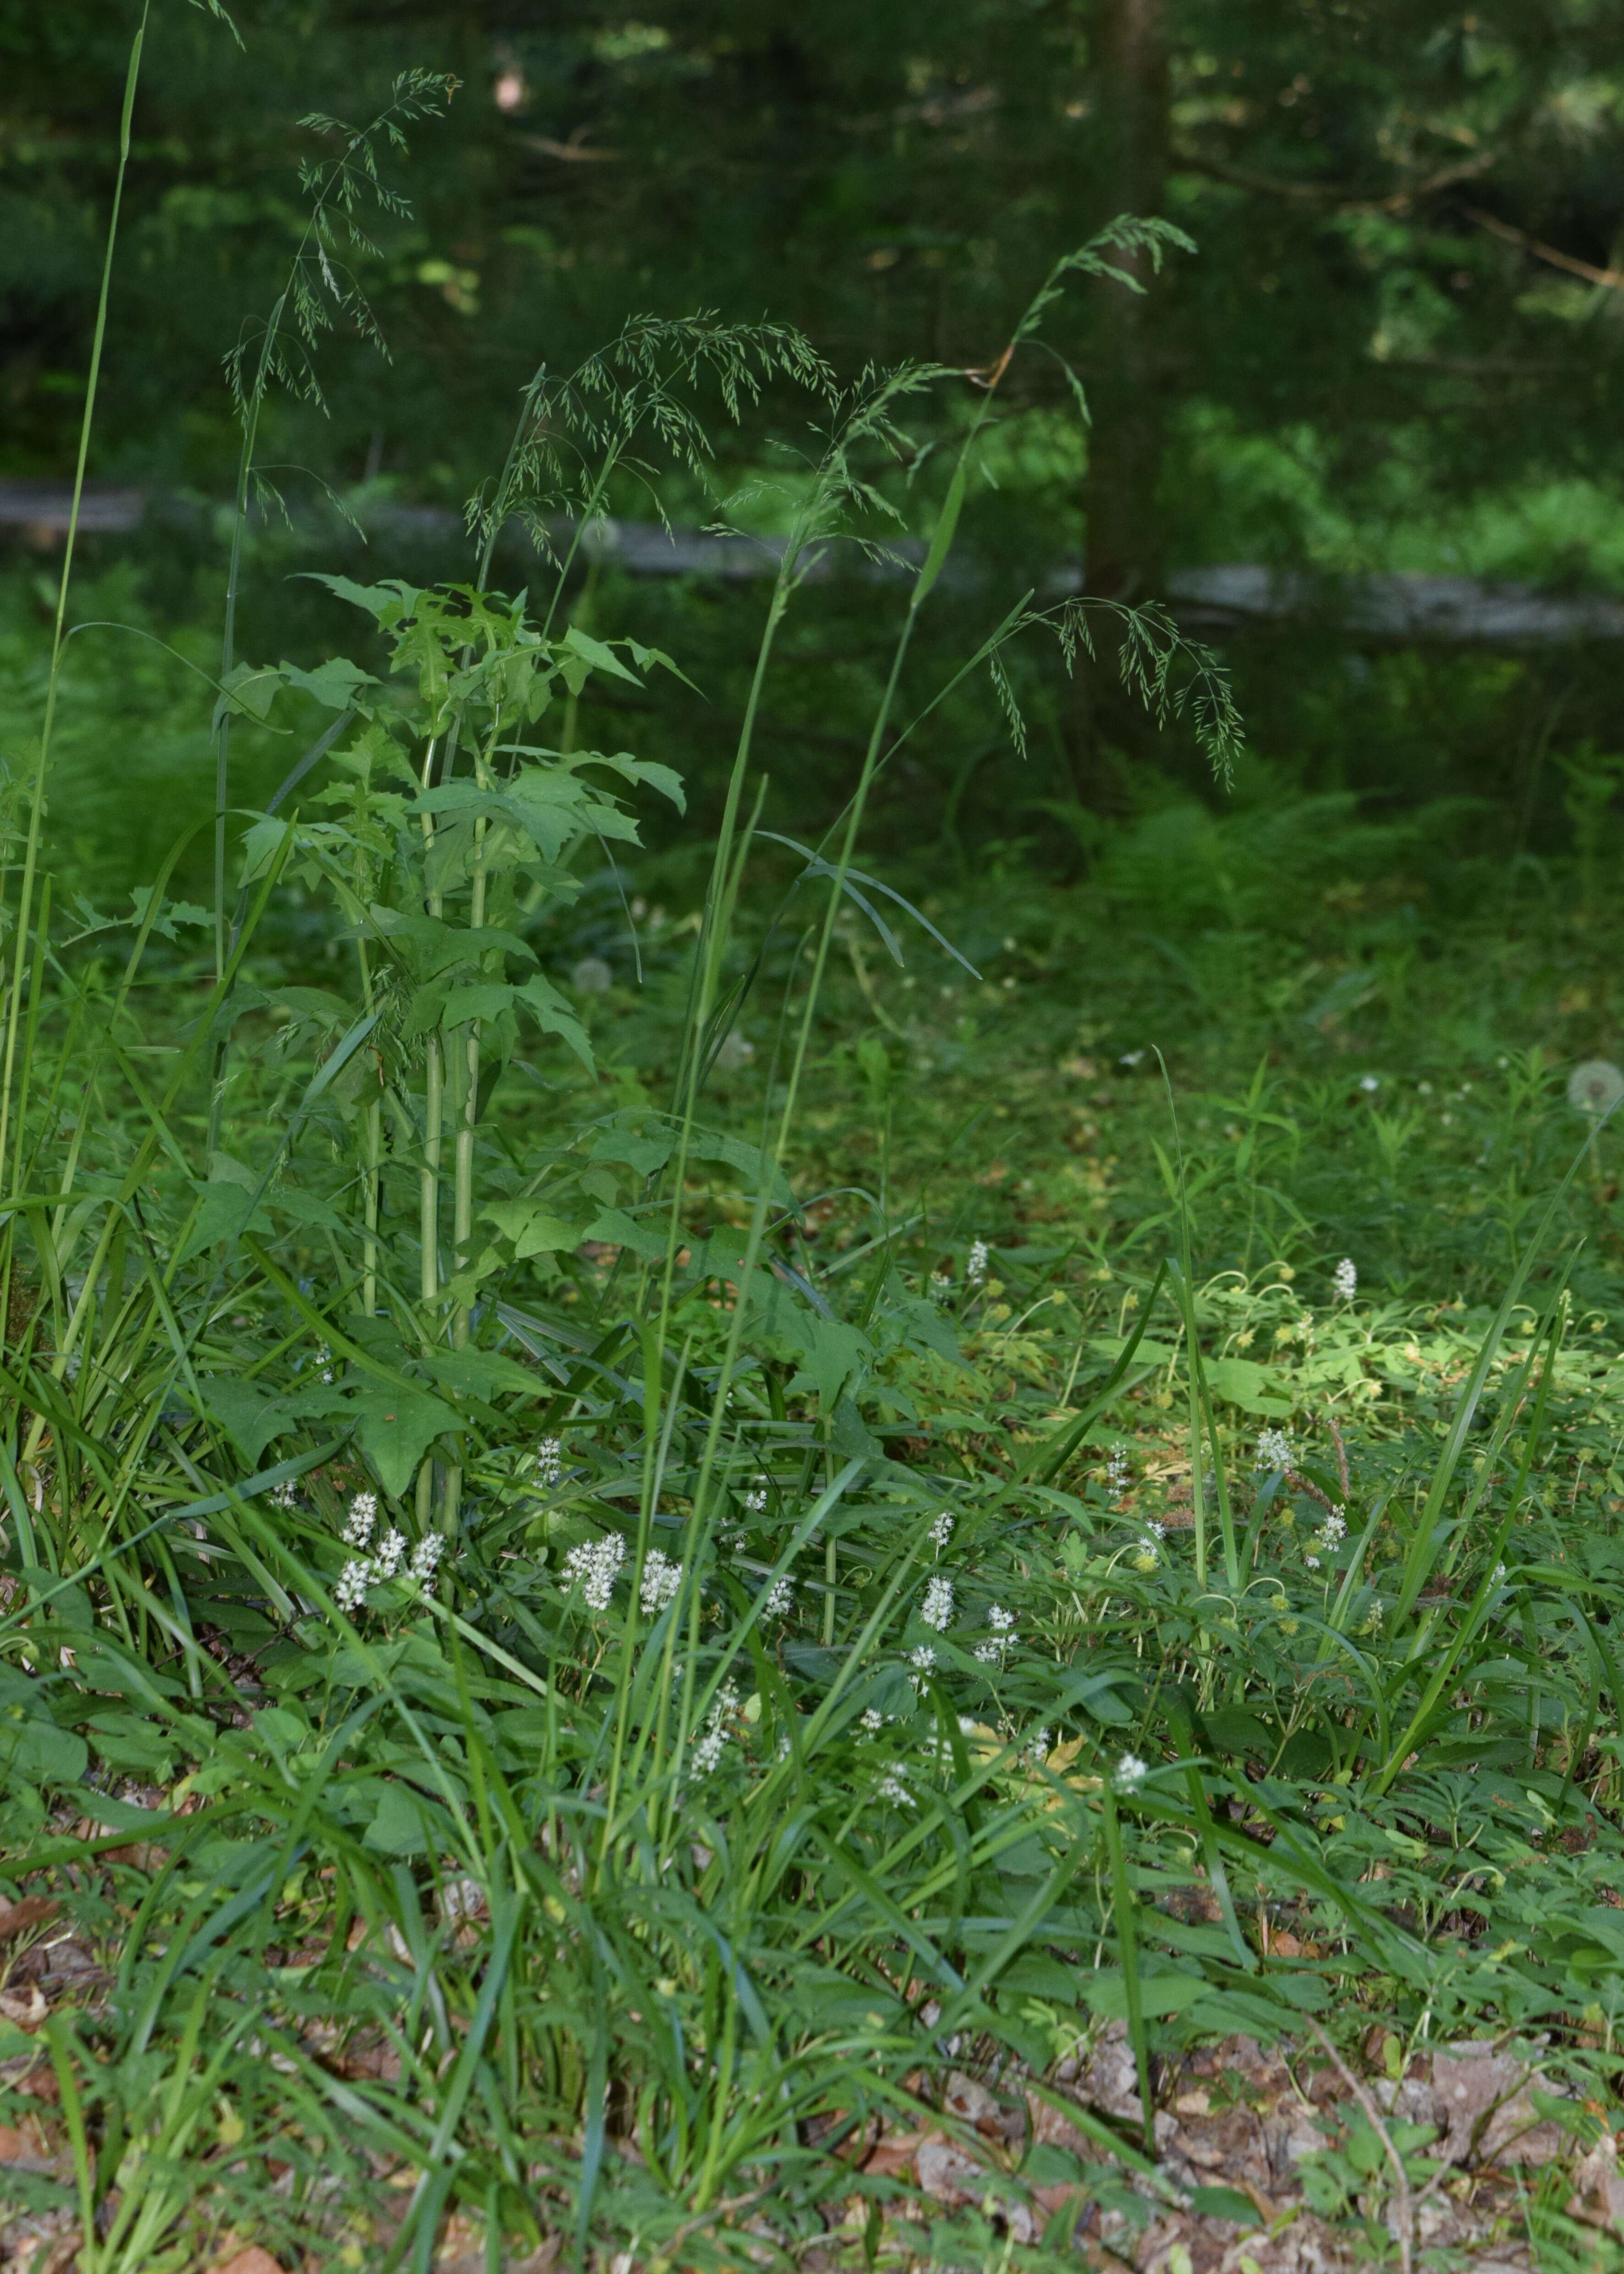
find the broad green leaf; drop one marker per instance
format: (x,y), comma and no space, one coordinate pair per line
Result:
(551,1013)
(601,657)
(533,1228)
(1161,1994)
(403,1823)
(1242,1381)
(487,998)
(334,684)
(618,1230)
(397,1426)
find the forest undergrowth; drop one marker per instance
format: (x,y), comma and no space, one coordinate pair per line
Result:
(704,1565)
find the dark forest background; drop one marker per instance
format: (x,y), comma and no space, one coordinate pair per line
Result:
(1397,348)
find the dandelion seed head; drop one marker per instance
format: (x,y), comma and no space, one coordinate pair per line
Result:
(592,975)
(1595,1087)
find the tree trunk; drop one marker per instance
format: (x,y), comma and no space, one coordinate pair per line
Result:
(1126,151)
(1128,120)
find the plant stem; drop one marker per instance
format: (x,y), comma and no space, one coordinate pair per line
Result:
(36,806)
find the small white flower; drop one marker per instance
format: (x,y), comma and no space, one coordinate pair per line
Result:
(710,1747)
(285,1495)
(1037,1749)
(1345,1280)
(891,1788)
(593,1566)
(1273,1450)
(425,1559)
(1312,1563)
(1369,1081)
(391,1554)
(755,1499)
(999,1620)
(921,1658)
(1156,1531)
(1118,1475)
(872,1721)
(362,1516)
(780,1596)
(940,1284)
(975,1263)
(1498,1573)
(661,1578)
(353,1581)
(324,1361)
(735,1050)
(1333,1530)
(942,1529)
(1131,1772)
(547,1463)
(936,1608)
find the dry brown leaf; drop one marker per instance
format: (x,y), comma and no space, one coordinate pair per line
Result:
(1598,2188)
(947,2174)
(24,2146)
(28,2012)
(17,1918)
(251,2260)
(891,2156)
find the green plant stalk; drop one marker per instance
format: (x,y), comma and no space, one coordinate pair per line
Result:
(1128,1944)
(36,802)
(428,1175)
(462,1187)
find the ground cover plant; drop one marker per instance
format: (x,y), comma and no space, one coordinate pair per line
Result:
(785,1573)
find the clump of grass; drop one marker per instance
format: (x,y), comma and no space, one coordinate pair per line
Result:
(535,1683)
